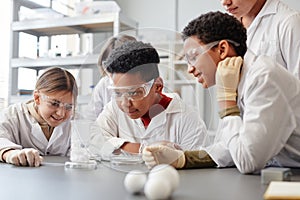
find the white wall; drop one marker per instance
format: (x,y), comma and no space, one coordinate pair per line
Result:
(150,13)
(293,4)
(5,17)
(190,9)
(162,13)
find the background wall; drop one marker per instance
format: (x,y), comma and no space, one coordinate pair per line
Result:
(163,14)
(293,4)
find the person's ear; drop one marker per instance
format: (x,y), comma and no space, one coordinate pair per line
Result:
(223,49)
(36,97)
(158,84)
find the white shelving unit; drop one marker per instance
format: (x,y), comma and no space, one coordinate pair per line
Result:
(105,22)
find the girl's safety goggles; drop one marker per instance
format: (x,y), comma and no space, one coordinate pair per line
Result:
(55,104)
(133,93)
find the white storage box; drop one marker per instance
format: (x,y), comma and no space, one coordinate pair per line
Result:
(275,174)
(96,7)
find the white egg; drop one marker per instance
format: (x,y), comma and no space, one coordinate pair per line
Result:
(166,172)
(134,181)
(157,188)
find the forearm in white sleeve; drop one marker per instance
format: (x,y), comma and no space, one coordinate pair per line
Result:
(228,128)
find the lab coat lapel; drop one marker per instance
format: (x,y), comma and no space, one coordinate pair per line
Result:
(268,9)
(249,58)
(58,132)
(37,132)
(160,120)
(156,122)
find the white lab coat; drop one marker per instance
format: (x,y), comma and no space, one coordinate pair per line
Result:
(268,130)
(100,97)
(19,129)
(179,123)
(275,32)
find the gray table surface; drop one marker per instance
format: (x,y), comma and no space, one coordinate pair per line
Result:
(53,181)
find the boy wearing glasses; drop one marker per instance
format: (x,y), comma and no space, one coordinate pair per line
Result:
(40,126)
(259,101)
(140,113)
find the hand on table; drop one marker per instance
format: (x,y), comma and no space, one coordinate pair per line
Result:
(24,157)
(163,154)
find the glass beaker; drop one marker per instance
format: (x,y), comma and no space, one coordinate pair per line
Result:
(80,154)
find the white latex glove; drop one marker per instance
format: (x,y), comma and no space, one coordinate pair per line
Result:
(163,154)
(227,78)
(24,157)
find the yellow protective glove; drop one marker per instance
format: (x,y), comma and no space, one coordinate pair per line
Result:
(24,157)
(163,154)
(227,78)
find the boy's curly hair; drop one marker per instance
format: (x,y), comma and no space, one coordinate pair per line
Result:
(111,44)
(133,57)
(214,26)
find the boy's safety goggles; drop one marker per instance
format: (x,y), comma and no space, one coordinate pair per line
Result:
(192,55)
(133,93)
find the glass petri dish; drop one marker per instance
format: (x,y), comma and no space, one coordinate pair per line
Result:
(126,158)
(90,165)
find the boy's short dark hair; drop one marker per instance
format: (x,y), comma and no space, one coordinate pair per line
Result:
(134,57)
(214,26)
(109,45)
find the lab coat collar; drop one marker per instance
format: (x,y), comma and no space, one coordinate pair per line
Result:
(36,129)
(269,8)
(37,132)
(56,134)
(175,106)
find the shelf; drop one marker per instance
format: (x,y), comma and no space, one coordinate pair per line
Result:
(75,25)
(66,62)
(30,4)
(112,23)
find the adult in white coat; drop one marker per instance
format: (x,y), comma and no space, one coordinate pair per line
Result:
(101,94)
(40,126)
(139,113)
(272,29)
(259,105)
